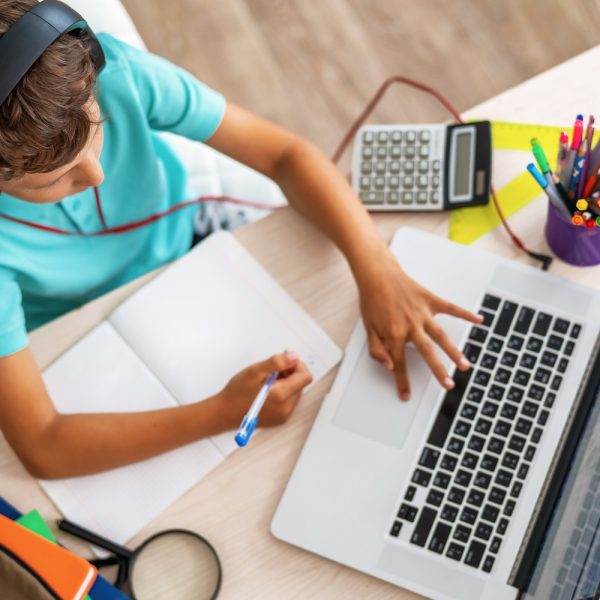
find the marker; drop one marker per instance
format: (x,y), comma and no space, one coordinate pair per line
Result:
(551,193)
(577,169)
(577,220)
(584,171)
(563,148)
(577,133)
(590,184)
(242,437)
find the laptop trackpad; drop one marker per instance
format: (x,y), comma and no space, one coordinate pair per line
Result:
(371,406)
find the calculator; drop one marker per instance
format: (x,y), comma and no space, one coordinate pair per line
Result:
(422,167)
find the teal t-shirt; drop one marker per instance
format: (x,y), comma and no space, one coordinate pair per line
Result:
(42,274)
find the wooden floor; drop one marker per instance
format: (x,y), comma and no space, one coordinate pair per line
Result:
(311,65)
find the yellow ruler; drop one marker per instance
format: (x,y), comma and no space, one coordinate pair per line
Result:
(469,224)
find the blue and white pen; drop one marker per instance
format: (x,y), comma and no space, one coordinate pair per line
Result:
(242,437)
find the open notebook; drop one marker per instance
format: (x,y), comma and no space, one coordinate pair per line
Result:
(176,341)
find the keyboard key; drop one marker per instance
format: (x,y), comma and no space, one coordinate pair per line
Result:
(561,325)
(455,445)
(515,394)
(510,461)
(522,377)
(516,443)
(476,443)
(448,462)
(366,168)
(536,436)
(488,564)
(534,344)
(482,480)
(495,344)
(410,493)
(529,409)
(509,359)
(491,302)
(489,409)
(472,352)
(562,365)
(502,526)
(516,489)
(523,426)
(368,137)
(489,462)
(488,318)
(503,478)
(382,137)
(396,137)
(509,508)
(523,470)
(488,361)
(515,342)
(496,392)
(440,536)
(441,480)
(495,544)
(569,347)
(529,453)
(371,197)
(449,513)
(524,319)
(462,428)
(429,458)
(468,515)
(527,361)
(392,197)
(575,331)
(423,526)
(506,316)
(395,167)
(542,323)
(475,394)
(380,167)
(462,533)
(543,418)
(421,477)
(508,411)
(495,445)
(435,497)
(407,198)
(469,460)
(550,399)
(462,477)
(490,513)
(475,498)
(483,426)
(535,392)
(407,512)
(421,197)
(556,381)
(468,411)
(478,334)
(548,358)
(448,409)
(483,531)
(455,551)
(502,428)
(396,527)
(497,495)
(474,554)
(456,495)
(555,342)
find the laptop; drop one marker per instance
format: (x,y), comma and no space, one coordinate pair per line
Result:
(451,494)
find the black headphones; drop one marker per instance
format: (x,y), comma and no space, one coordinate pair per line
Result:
(31,35)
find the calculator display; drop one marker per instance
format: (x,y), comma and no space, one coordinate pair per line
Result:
(462,164)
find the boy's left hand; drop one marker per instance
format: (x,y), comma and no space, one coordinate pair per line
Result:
(396,309)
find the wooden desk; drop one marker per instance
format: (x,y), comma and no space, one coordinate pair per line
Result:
(234,504)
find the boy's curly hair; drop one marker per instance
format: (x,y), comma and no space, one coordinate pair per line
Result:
(44,122)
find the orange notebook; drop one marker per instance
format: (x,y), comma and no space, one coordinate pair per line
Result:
(67,574)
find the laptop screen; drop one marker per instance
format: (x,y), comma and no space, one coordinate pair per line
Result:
(568,567)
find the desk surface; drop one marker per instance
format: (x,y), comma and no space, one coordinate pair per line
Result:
(234,504)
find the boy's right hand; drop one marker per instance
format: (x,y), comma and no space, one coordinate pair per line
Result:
(237,396)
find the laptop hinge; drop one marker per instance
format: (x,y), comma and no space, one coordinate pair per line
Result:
(534,536)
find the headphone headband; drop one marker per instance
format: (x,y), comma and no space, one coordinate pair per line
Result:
(32,34)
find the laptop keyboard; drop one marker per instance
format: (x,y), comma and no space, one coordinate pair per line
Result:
(473,466)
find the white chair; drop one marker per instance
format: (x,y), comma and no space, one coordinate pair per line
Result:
(210,172)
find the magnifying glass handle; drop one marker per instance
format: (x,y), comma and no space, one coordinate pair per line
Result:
(93,538)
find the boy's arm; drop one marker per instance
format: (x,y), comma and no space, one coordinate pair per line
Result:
(395,308)
(52,445)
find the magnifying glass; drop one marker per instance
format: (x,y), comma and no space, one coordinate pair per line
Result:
(175,564)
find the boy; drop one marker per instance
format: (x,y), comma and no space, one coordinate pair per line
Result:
(69,137)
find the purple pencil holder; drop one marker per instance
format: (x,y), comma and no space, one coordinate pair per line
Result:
(579,246)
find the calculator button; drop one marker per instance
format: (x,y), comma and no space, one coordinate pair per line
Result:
(435,165)
(380,182)
(367,152)
(395,152)
(408,181)
(435,181)
(424,151)
(365,183)
(380,167)
(410,137)
(423,166)
(394,167)
(394,182)
(421,197)
(407,197)
(382,137)
(381,152)
(409,152)
(371,197)
(396,137)
(368,137)
(422,181)
(425,135)
(392,197)
(409,166)
(366,167)
(434,197)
